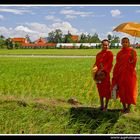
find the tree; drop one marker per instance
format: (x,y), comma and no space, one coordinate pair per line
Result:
(89,38)
(58,36)
(28,38)
(8,43)
(55,36)
(115,39)
(17,45)
(95,38)
(67,38)
(2,37)
(51,36)
(2,41)
(83,38)
(109,37)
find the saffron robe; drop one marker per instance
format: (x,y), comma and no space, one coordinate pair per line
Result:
(104,61)
(124,75)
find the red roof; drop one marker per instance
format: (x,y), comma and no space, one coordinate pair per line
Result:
(35,45)
(23,40)
(28,44)
(74,37)
(40,41)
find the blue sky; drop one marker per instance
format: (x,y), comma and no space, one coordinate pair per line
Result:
(38,20)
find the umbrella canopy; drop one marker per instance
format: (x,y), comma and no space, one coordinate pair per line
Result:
(131,28)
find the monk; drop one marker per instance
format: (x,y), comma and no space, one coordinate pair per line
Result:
(124,75)
(104,65)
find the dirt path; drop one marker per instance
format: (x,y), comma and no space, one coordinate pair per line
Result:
(41,102)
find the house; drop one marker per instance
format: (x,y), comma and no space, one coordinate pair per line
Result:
(75,37)
(40,43)
(19,40)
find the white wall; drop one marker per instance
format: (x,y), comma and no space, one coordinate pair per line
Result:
(77,44)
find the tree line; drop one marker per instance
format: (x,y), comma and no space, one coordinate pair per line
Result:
(57,36)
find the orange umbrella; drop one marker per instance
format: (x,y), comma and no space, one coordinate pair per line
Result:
(131,28)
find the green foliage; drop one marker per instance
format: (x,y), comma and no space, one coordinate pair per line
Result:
(88,52)
(9,43)
(17,45)
(2,42)
(55,36)
(34,94)
(113,39)
(89,38)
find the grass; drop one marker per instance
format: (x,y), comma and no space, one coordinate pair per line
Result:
(89,52)
(79,52)
(34,94)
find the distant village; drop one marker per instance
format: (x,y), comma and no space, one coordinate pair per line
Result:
(42,43)
(57,40)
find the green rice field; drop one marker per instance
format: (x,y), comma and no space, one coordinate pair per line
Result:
(89,52)
(35,96)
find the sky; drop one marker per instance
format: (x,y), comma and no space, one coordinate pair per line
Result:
(38,20)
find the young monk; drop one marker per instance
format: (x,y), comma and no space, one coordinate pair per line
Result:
(124,75)
(104,65)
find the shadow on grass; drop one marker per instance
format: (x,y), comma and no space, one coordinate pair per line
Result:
(93,120)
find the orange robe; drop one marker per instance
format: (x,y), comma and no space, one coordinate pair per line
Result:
(124,75)
(104,61)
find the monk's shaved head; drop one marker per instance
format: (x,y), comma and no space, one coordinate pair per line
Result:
(126,38)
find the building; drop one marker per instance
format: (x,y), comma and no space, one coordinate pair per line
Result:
(40,43)
(75,38)
(19,40)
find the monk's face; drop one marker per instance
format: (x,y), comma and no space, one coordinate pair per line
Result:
(125,43)
(105,45)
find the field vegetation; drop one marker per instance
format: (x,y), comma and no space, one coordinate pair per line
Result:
(58,96)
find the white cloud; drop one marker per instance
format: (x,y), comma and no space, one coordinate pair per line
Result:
(24,29)
(51,12)
(67,7)
(73,12)
(93,30)
(14,11)
(65,27)
(52,18)
(3,29)
(84,15)
(1,17)
(7,32)
(113,27)
(35,26)
(115,13)
(21,31)
(49,17)
(111,33)
(70,17)
(137,11)
(36,30)
(100,15)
